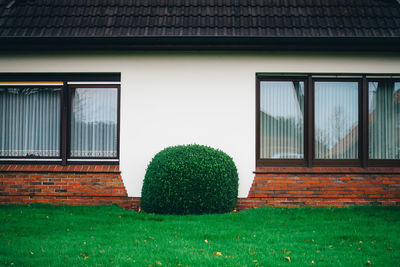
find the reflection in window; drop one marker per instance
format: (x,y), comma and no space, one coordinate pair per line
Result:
(281,119)
(29,122)
(336,120)
(94,122)
(384,120)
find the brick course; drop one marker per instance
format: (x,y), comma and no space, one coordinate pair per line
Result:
(323,186)
(103,185)
(55,184)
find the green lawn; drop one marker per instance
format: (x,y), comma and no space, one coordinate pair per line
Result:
(45,235)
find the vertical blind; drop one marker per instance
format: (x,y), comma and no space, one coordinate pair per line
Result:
(384,120)
(94,122)
(336,120)
(281,119)
(30,122)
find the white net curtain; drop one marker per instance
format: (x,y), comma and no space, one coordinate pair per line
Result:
(94,122)
(384,120)
(30,122)
(281,119)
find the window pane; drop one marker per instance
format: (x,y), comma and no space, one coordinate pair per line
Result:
(336,120)
(94,122)
(30,122)
(384,120)
(281,120)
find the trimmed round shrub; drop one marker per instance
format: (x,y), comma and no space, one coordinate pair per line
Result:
(190,179)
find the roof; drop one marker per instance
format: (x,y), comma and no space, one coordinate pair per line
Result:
(239,22)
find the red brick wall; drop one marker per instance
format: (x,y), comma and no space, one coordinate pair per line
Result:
(74,185)
(103,185)
(323,187)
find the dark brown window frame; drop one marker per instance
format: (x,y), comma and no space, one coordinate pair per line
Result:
(36,86)
(281,162)
(81,81)
(336,162)
(309,123)
(376,162)
(69,91)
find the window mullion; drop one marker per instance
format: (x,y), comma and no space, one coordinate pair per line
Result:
(364,123)
(64,123)
(309,122)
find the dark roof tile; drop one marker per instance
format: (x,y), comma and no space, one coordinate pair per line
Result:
(196,18)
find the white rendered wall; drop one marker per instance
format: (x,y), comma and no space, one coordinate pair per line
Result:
(171,98)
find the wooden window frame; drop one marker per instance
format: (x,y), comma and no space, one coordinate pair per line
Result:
(376,162)
(282,162)
(69,104)
(309,122)
(337,162)
(16,158)
(104,80)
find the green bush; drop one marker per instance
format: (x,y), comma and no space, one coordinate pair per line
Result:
(190,179)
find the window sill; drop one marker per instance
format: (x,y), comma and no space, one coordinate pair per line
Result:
(53,168)
(327,170)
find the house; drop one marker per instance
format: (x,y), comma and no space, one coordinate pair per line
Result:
(303,95)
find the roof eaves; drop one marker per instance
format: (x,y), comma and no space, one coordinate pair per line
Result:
(202,43)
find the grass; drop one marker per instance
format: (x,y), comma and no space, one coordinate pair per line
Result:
(45,235)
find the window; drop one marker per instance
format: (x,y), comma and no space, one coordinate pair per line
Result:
(94,122)
(336,120)
(384,119)
(325,121)
(30,121)
(282,119)
(67,122)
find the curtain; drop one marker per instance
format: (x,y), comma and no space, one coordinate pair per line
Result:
(281,119)
(336,120)
(30,122)
(384,120)
(94,122)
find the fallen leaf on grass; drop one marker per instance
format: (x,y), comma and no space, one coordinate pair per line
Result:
(288,259)
(158,263)
(389,248)
(283,251)
(217,253)
(30,251)
(252,252)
